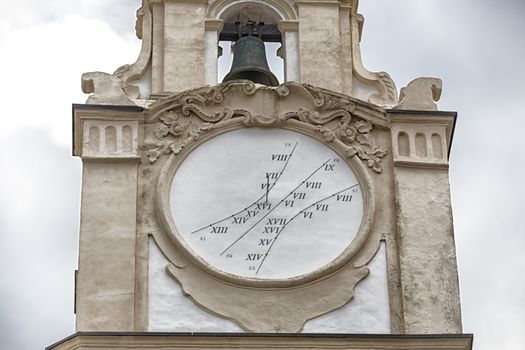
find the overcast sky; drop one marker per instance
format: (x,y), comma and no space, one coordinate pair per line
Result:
(476,46)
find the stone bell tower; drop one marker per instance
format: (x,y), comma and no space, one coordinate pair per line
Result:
(312,214)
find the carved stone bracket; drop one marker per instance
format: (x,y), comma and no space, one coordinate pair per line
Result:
(128,73)
(421,94)
(105,89)
(181,120)
(117,88)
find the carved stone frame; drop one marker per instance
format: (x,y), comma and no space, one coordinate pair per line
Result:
(194,117)
(164,213)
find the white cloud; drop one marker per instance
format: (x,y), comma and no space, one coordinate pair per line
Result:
(43,56)
(44,64)
(38,241)
(477,47)
(119,14)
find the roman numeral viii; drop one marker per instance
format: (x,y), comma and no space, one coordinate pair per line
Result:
(344,198)
(313,185)
(280,157)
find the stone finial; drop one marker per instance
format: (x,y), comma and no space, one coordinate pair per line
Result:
(420,94)
(105,89)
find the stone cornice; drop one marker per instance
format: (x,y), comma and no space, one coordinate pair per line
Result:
(206,341)
(444,118)
(104,113)
(318,2)
(288,26)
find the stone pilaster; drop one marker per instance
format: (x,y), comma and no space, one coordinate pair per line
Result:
(157,52)
(320,44)
(213,28)
(289,31)
(427,254)
(107,140)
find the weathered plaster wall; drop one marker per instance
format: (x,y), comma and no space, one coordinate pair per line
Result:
(427,252)
(171,311)
(184,45)
(106,278)
(368,312)
(319,46)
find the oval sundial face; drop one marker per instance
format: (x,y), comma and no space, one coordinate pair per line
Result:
(265,203)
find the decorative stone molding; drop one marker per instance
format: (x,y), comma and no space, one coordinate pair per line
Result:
(411,143)
(319,2)
(288,26)
(421,139)
(135,71)
(199,111)
(122,341)
(269,310)
(387,95)
(214,25)
(281,7)
(420,94)
(110,138)
(107,133)
(105,89)
(188,1)
(117,89)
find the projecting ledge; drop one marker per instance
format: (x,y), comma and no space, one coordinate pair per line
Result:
(205,341)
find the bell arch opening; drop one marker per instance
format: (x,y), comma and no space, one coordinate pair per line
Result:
(261,19)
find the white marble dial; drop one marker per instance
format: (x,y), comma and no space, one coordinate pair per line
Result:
(266,203)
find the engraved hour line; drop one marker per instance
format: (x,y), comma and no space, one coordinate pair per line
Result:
(269,212)
(257,201)
(296,215)
(267,186)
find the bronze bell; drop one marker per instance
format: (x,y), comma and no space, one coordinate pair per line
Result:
(249,62)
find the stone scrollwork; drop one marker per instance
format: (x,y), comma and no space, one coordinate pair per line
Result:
(172,126)
(387,91)
(356,135)
(181,120)
(326,101)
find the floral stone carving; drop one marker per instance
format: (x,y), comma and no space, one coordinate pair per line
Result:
(181,120)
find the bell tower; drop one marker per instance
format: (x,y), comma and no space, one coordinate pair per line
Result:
(320,45)
(313,212)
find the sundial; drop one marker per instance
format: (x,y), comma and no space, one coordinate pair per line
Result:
(265,204)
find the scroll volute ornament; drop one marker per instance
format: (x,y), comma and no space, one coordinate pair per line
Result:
(182,120)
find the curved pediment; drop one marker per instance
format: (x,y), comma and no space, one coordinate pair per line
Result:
(182,118)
